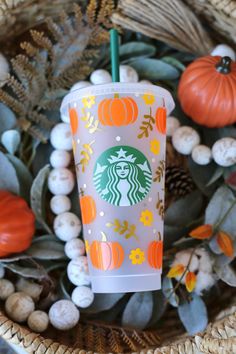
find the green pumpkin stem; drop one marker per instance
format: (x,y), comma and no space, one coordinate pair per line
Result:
(224,65)
(116,95)
(104,237)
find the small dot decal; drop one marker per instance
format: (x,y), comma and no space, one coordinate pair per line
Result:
(78,141)
(101,213)
(75,104)
(150,199)
(154,231)
(153,160)
(89,231)
(118,138)
(85,185)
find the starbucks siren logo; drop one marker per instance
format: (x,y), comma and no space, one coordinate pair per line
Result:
(122,176)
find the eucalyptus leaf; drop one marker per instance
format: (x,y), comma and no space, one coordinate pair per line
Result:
(184,210)
(172,234)
(45,249)
(222,202)
(227,274)
(219,172)
(37,196)
(154,69)
(103,302)
(41,158)
(136,49)
(168,291)
(7,118)
(15,258)
(228,131)
(159,307)
(24,176)
(10,140)
(8,176)
(174,62)
(138,311)
(26,272)
(193,315)
(64,285)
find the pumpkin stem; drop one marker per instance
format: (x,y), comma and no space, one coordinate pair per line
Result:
(159,236)
(224,65)
(81,192)
(116,95)
(104,237)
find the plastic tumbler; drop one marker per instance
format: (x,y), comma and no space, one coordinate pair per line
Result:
(119,145)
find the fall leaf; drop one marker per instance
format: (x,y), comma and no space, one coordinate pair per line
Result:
(176,271)
(202,232)
(225,243)
(190,281)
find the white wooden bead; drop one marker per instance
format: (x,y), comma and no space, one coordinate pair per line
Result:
(67,226)
(74,248)
(185,139)
(201,154)
(224,152)
(128,74)
(4,69)
(64,315)
(100,76)
(224,50)
(80,85)
(6,289)
(30,288)
(2,271)
(145,82)
(61,181)
(19,306)
(60,158)
(60,204)
(82,296)
(77,271)
(61,137)
(172,124)
(38,321)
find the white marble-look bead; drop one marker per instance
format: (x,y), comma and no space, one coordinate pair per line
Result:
(82,296)
(224,50)
(60,137)
(67,226)
(60,158)
(38,321)
(185,139)
(19,306)
(128,74)
(201,154)
(4,69)
(60,204)
(100,76)
(172,124)
(79,85)
(61,181)
(74,248)
(6,289)
(77,271)
(145,82)
(64,315)
(224,152)
(2,271)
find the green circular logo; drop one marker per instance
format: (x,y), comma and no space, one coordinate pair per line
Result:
(122,176)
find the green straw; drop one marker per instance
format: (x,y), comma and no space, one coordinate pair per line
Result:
(114,43)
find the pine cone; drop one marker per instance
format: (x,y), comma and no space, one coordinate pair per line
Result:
(178,182)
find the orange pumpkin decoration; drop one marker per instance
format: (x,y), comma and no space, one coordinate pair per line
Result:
(155,252)
(88,209)
(106,255)
(17,224)
(207,91)
(117,111)
(161,120)
(74,121)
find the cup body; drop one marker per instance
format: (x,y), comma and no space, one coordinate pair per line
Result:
(119,144)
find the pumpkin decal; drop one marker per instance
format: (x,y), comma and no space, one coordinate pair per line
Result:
(117,111)
(17,224)
(161,119)
(74,121)
(88,209)
(155,252)
(106,255)
(207,91)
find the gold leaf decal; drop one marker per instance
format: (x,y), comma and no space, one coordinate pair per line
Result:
(147,125)
(91,123)
(159,174)
(86,155)
(123,228)
(160,207)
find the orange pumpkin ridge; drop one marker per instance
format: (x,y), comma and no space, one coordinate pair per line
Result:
(155,253)
(88,209)
(74,120)
(207,91)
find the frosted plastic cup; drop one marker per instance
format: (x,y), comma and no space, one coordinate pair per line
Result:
(119,145)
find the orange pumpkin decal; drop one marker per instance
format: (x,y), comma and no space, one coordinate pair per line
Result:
(161,119)
(207,91)
(88,209)
(74,121)
(155,253)
(106,255)
(17,224)
(117,111)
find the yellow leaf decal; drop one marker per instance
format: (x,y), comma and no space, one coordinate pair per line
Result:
(202,232)
(190,281)
(176,271)
(225,243)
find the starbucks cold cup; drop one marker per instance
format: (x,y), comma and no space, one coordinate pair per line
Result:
(119,144)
